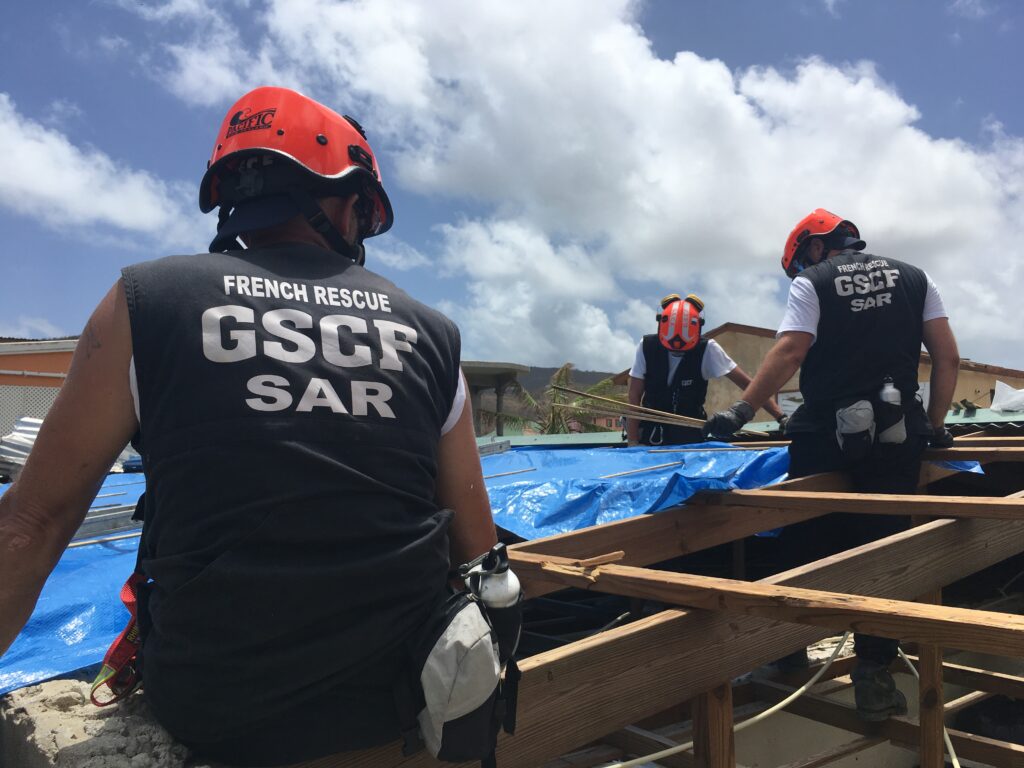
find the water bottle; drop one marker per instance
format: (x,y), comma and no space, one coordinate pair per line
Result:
(889,393)
(892,426)
(490,579)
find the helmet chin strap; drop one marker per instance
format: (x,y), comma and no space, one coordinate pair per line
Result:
(314,214)
(222,242)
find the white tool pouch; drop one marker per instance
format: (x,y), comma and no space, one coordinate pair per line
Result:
(460,678)
(855,429)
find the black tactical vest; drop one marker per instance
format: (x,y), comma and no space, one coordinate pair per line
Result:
(291,406)
(871,327)
(684,395)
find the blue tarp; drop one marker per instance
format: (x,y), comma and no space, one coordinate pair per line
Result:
(568,490)
(80,613)
(121,488)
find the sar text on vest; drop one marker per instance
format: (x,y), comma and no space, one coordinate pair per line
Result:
(234,332)
(870,283)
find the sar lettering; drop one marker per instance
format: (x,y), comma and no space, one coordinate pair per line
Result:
(273,393)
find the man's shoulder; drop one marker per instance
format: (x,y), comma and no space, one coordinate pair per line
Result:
(173,261)
(411,303)
(649,343)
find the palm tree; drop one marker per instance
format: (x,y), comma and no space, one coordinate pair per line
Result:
(556,412)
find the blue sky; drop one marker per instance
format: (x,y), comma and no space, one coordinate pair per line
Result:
(555,167)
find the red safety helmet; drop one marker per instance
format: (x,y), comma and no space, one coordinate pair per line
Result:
(317,146)
(820,223)
(680,322)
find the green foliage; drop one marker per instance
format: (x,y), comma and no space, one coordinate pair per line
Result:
(559,413)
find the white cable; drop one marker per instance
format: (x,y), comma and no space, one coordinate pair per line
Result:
(746,723)
(945,733)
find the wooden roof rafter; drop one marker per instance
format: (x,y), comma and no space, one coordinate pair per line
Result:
(574,695)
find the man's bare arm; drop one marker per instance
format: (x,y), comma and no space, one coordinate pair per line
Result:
(740,378)
(941,346)
(636,394)
(460,487)
(91,421)
(781,362)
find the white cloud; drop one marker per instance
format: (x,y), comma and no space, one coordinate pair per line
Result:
(608,175)
(531,300)
(832,6)
(396,254)
(212,64)
(67,186)
(113,43)
(971,9)
(62,111)
(31,328)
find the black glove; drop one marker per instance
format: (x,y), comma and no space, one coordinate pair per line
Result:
(940,438)
(725,423)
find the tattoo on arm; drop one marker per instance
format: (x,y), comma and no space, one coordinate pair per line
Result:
(90,340)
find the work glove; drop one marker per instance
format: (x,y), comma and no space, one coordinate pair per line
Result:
(725,423)
(940,438)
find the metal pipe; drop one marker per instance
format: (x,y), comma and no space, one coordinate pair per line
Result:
(41,374)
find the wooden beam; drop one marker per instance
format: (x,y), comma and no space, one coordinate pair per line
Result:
(683,530)
(576,694)
(900,731)
(931,472)
(986,507)
(979,440)
(931,713)
(975,453)
(951,708)
(829,756)
(931,698)
(584,758)
(639,741)
(714,744)
(978,679)
(672,532)
(964,628)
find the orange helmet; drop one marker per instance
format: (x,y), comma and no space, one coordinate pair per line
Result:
(840,232)
(274,140)
(680,322)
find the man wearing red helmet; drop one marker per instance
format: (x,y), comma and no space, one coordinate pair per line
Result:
(309,452)
(671,373)
(854,325)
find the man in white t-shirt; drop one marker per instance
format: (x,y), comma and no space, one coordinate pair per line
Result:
(672,370)
(854,325)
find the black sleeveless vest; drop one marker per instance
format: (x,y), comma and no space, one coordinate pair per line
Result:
(684,395)
(291,405)
(871,327)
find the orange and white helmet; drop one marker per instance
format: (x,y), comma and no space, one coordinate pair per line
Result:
(680,322)
(275,142)
(819,223)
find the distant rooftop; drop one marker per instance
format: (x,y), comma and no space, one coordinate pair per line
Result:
(573,440)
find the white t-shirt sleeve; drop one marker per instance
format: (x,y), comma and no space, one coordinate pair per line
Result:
(133,386)
(802,309)
(639,369)
(933,306)
(458,405)
(716,361)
